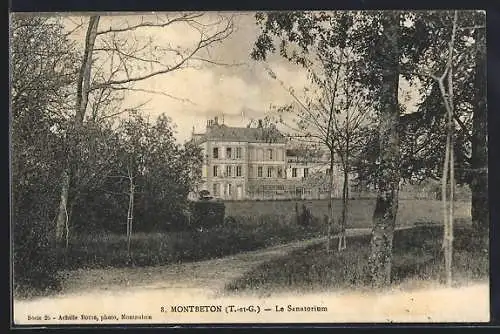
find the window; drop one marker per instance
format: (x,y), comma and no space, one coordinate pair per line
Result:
(294,172)
(228,153)
(238,153)
(215,170)
(270,154)
(216,189)
(259,171)
(269,171)
(215,153)
(328,171)
(238,170)
(280,172)
(259,154)
(306,172)
(228,170)
(229,189)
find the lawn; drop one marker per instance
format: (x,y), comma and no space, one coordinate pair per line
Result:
(269,223)
(360,210)
(417,257)
(101,250)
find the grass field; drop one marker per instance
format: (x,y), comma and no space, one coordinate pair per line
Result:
(257,225)
(360,210)
(102,250)
(417,257)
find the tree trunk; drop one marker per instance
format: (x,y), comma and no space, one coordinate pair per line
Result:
(444,191)
(62,217)
(449,244)
(384,216)
(479,157)
(329,244)
(447,95)
(345,203)
(81,106)
(130,213)
(447,188)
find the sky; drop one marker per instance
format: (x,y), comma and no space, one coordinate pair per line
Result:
(238,92)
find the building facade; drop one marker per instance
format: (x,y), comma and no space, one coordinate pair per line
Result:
(255,163)
(234,159)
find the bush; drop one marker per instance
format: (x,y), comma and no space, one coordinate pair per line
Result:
(207,213)
(35,260)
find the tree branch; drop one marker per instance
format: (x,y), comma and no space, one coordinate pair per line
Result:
(183,18)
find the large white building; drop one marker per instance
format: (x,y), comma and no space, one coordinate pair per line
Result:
(254,163)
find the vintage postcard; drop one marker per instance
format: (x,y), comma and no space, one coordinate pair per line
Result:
(249,167)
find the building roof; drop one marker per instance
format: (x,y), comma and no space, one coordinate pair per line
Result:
(221,132)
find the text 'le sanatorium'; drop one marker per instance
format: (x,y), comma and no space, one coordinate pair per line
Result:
(239,308)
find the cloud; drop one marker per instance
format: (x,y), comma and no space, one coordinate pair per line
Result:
(237,93)
(240,93)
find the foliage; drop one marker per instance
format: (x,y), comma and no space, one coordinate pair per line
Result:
(207,214)
(42,71)
(421,130)
(163,176)
(424,36)
(46,143)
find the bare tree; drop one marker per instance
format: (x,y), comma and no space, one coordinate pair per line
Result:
(332,114)
(83,83)
(120,58)
(445,84)
(349,140)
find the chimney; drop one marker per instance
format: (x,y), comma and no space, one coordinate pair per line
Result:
(216,120)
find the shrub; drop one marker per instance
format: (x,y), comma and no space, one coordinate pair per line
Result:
(207,213)
(35,259)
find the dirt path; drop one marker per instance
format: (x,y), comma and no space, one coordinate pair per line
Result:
(209,275)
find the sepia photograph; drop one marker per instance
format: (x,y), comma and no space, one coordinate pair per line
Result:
(244,167)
